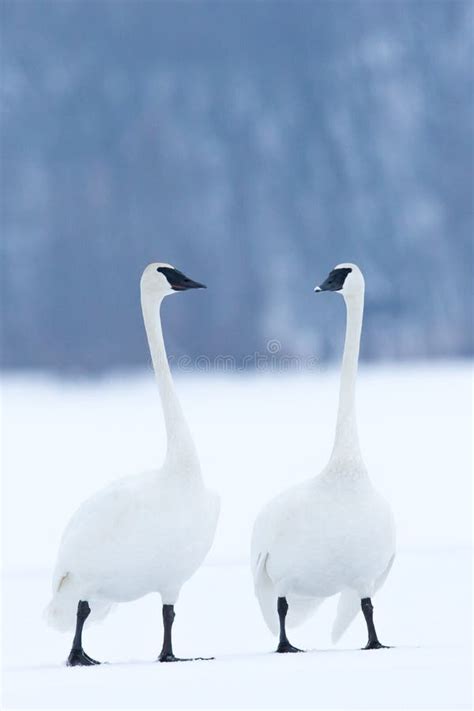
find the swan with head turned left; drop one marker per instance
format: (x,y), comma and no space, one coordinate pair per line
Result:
(333,533)
(145,533)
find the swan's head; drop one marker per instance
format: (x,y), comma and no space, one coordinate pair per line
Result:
(160,279)
(346,279)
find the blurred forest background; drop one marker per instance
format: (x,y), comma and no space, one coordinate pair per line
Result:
(252,144)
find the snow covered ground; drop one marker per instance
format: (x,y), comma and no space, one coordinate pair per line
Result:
(256,435)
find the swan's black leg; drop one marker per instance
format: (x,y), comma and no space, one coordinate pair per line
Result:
(368,610)
(77,656)
(284,646)
(166,654)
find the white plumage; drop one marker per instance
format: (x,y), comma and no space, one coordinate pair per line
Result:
(145,533)
(333,533)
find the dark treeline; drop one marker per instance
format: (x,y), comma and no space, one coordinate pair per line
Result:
(252,144)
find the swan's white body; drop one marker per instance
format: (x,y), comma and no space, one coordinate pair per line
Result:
(145,533)
(333,533)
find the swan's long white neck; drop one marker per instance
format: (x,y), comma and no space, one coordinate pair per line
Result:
(346,443)
(181,455)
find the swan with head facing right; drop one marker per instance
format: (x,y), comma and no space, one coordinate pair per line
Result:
(333,534)
(146,533)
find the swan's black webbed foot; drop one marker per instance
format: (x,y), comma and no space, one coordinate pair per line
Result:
(286,647)
(78,658)
(94,661)
(172,658)
(375,644)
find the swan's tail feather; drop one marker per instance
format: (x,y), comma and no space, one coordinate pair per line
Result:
(266,593)
(299,609)
(61,611)
(347,609)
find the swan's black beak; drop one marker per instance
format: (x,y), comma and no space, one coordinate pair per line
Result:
(179,281)
(327,285)
(335,280)
(183,283)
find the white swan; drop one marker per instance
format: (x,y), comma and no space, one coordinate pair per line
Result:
(333,533)
(142,534)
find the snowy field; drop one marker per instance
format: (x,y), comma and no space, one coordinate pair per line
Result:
(256,435)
